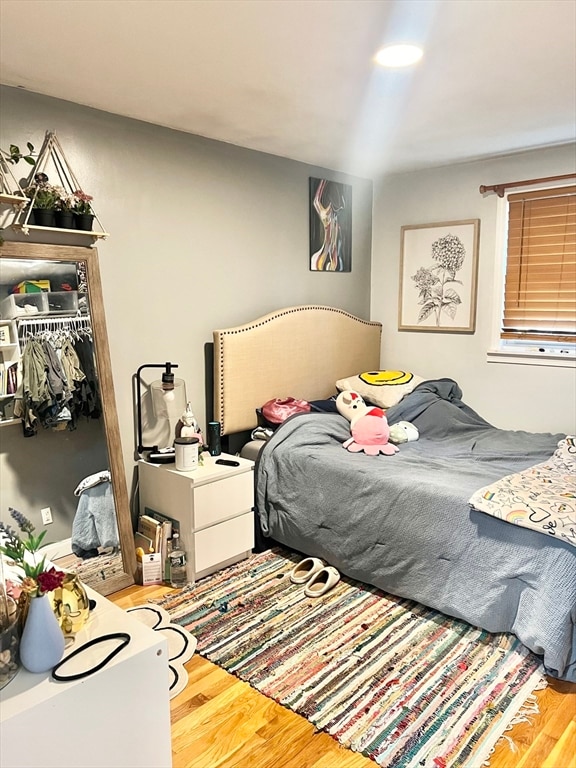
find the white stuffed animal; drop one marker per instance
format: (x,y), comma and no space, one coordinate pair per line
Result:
(403,432)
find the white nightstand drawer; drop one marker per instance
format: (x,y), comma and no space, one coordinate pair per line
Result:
(219,501)
(220,542)
(213,505)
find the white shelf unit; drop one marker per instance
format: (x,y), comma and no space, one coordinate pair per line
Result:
(119,716)
(9,355)
(213,504)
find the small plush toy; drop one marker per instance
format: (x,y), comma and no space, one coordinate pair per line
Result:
(368,425)
(403,432)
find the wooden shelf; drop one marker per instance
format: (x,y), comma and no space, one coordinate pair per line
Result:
(13,199)
(52,158)
(25,227)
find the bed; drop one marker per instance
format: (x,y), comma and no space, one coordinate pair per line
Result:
(402,523)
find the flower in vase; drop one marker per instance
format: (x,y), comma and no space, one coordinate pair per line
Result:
(22,551)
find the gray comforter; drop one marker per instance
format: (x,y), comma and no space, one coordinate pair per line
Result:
(403,523)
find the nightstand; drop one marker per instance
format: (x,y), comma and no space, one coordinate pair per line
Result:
(213,504)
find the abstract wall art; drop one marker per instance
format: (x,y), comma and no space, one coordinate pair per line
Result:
(330,226)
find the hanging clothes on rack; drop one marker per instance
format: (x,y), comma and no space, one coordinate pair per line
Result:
(71,363)
(35,392)
(55,390)
(58,415)
(83,401)
(89,391)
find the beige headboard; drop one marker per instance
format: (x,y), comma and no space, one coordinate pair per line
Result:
(293,352)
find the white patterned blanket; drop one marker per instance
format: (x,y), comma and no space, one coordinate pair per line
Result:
(542,497)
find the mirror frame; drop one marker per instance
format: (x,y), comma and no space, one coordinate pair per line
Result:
(89,256)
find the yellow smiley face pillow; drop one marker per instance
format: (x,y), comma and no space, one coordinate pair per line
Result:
(383,388)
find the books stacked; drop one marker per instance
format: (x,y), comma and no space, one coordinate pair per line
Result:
(151,540)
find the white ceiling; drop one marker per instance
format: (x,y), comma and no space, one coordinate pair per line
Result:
(295,78)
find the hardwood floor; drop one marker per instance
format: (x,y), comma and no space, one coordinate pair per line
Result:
(219,721)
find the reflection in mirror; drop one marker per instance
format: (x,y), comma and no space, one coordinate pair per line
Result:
(60,454)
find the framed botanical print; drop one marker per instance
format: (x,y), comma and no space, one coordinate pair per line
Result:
(438,274)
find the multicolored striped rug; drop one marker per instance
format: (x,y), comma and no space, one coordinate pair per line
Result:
(400,683)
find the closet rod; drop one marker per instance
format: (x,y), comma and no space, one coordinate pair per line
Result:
(81,323)
(499,188)
(53,320)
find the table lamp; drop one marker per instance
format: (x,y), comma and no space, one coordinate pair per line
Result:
(168,398)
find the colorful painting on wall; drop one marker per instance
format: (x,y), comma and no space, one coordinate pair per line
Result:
(330,226)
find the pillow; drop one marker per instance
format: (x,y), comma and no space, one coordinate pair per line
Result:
(383,388)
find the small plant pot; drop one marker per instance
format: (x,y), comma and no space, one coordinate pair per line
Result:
(64,219)
(84,221)
(44,217)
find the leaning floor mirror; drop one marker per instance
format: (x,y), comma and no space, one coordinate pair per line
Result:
(60,452)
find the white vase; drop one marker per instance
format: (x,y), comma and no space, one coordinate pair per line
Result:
(42,643)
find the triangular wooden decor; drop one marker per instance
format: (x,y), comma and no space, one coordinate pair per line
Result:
(10,191)
(53,163)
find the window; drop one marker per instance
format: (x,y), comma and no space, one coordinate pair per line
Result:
(540,275)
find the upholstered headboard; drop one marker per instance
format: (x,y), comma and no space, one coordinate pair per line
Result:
(293,352)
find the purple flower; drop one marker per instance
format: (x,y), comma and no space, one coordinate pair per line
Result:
(23,523)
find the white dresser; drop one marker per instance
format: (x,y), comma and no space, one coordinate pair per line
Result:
(119,716)
(213,504)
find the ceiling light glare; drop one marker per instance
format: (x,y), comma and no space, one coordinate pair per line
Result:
(399,55)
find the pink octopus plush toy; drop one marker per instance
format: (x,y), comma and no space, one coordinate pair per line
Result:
(368,425)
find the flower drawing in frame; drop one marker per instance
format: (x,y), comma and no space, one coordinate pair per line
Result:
(330,226)
(438,273)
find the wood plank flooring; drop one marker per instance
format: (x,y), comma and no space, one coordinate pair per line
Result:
(219,721)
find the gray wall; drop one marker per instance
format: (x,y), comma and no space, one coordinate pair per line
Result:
(203,235)
(527,397)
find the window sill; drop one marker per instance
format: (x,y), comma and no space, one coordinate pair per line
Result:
(531,357)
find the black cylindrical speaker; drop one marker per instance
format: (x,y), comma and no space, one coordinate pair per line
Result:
(214,438)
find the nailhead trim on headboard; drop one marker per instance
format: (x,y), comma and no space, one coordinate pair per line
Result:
(265,320)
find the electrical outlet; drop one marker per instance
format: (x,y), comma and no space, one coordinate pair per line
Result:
(46,515)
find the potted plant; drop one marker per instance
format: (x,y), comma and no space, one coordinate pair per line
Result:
(64,213)
(44,198)
(8,184)
(14,155)
(83,210)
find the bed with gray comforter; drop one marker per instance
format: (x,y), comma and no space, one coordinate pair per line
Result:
(403,523)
